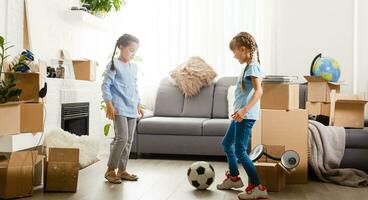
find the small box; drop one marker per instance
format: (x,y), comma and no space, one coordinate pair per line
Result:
(272,175)
(280,96)
(318,108)
(16,174)
(62,170)
(319,89)
(348,110)
(20,117)
(85,70)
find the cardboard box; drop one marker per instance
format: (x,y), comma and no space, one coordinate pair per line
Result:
(62,170)
(348,110)
(16,174)
(318,108)
(30,85)
(85,70)
(20,117)
(319,89)
(280,96)
(289,129)
(272,175)
(18,142)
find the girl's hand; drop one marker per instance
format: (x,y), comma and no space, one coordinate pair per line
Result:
(110,111)
(239,115)
(140,111)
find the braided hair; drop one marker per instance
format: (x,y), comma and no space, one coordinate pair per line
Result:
(244,39)
(124,41)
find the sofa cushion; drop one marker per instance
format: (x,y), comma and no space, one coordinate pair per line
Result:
(215,127)
(171,126)
(220,104)
(169,100)
(199,105)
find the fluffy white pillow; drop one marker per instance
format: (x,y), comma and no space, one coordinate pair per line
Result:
(230,100)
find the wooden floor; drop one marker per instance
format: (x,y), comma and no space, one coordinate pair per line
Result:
(162,178)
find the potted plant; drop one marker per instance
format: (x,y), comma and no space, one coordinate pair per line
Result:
(8,91)
(102,7)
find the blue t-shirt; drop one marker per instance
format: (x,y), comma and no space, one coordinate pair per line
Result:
(120,87)
(242,98)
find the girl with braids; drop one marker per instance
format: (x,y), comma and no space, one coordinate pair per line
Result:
(119,91)
(246,105)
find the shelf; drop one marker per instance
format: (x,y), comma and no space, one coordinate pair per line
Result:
(85,18)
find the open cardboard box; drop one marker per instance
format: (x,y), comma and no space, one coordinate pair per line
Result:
(319,89)
(271,173)
(16,174)
(62,169)
(347,110)
(280,96)
(21,117)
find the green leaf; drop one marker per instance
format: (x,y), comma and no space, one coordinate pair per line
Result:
(106,129)
(1,40)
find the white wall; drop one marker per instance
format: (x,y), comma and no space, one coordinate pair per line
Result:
(294,31)
(3,6)
(362,46)
(302,29)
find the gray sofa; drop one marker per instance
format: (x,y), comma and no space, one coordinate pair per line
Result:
(180,125)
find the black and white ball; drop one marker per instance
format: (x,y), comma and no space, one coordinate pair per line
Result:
(201,175)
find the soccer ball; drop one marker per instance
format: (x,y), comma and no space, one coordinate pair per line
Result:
(201,175)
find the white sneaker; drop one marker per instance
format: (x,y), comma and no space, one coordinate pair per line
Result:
(230,182)
(254,192)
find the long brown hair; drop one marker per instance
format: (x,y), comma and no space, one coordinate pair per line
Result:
(124,41)
(244,39)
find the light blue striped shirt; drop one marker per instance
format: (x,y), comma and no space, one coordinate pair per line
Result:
(243,98)
(120,87)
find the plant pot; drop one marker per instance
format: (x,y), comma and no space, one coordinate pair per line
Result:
(99,14)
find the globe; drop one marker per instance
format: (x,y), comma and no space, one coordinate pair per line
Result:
(327,68)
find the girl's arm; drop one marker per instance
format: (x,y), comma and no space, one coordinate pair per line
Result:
(258,91)
(109,78)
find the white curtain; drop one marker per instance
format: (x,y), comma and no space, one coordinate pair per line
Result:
(171,31)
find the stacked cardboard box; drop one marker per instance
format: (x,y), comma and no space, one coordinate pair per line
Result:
(17,174)
(19,167)
(325,99)
(282,123)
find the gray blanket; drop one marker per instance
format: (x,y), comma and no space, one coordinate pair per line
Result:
(326,146)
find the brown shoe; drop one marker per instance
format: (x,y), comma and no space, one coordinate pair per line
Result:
(127,176)
(112,177)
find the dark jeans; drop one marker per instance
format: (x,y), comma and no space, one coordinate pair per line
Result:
(235,144)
